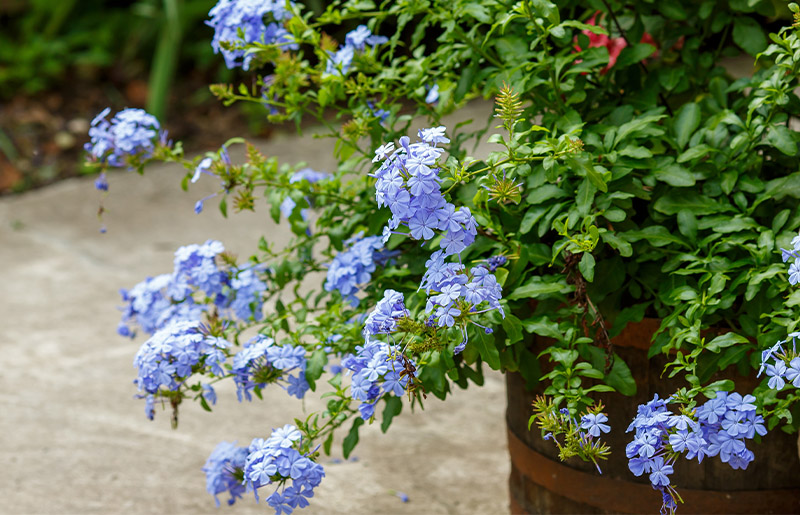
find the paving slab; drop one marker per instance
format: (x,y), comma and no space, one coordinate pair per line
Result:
(73,439)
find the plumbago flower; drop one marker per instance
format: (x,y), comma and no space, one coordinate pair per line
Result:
(261,361)
(239,22)
(173,354)
(719,427)
(203,276)
(130,133)
(354,266)
(378,368)
(357,40)
(224,471)
(283,459)
(408,183)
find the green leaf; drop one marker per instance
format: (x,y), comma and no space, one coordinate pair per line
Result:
(513,328)
(687,200)
(725,340)
(546,9)
(748,34)
(733,355)
(314,367)
(735,224)
(642,126)
(584,198)
(687,224)
(586,266)
(657,235)
(487,350)
(477,11)
(686,122)
(781,138)
(351,439)
(635,152)
(394,405)
(583,167)
(544,327)
(328,443)
(531,217)
(673,10)
(620,377)
(545,192)
(537,287)
(621,245)
(633,54)
(696,152)
(675,175)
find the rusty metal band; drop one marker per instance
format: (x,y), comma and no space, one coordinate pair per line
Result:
(616,495)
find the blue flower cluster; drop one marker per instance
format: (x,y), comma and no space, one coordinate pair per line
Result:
(173,354)
(229,17)
(459,292)
(356,40)
(149,305)
(225,463)
(794,268)
(278,460)
(354,266)
(717,428)
(155,302)
(408,183)
(130,132)
(377,367)
(261,361)
(782,366)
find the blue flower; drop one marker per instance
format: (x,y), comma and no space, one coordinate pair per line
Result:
(353,266)
(776,374)
(260,360)
(278,460)
(339,62)
(229,17)
(225,460)
(659,472)
(375,373)
(794,272)
(202,168)
(174,353)
(362,36)
(793,372)
(595,424)
(131,132)
(101,183)
(432,96)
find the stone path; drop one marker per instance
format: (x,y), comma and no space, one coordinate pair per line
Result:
(74,440)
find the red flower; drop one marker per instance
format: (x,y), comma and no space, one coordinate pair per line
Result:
(614,45)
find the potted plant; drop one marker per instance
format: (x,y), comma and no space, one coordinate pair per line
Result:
(622,240)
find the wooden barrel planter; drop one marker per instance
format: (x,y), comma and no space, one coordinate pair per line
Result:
(540,483)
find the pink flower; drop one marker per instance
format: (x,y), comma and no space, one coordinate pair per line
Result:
(614,45)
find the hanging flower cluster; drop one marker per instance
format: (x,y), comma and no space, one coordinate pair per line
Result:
(131,132)
(174,353)
(717,428)
(155,302)
(278,461)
